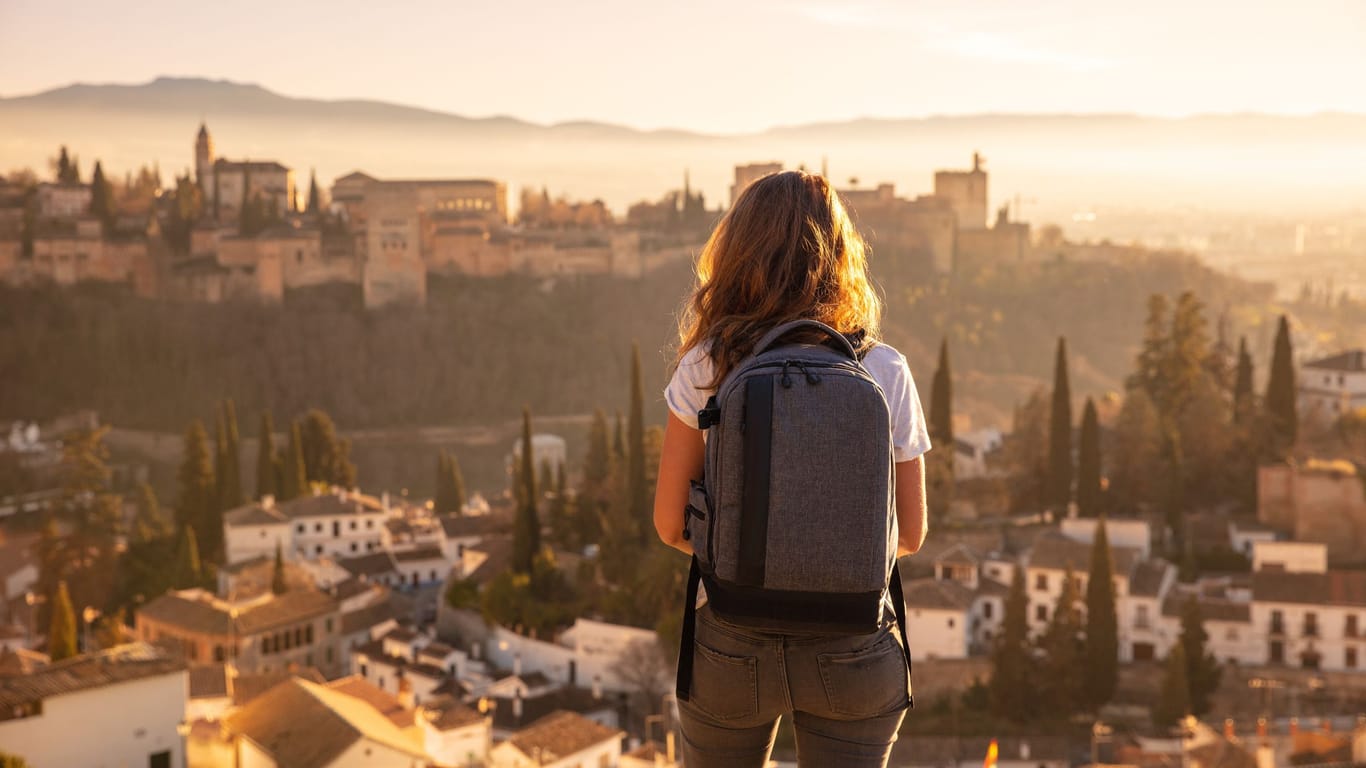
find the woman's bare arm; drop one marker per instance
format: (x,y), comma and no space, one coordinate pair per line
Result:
(912,518)
(680,461)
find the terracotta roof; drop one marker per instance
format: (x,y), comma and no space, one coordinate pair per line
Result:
(208,681)
(938,594)
(254,514)
(992,588)
(21,661)
(373,564)
(392,607)
(249,165)
(565,697)
(559,735)
(248,685)
(1147,578)
(436,650)
(1057,552)
(959,554)
(1352,361)
(1283,587)
(385,703)
(499,551)
(1211,609)
(120,664)
(305,725)
(204,614)
(427,552)
(447,713)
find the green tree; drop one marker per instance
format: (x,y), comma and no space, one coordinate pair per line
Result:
(1242,386)
(1061,690)
(939,464)
(315,205)
(1060,467)
(148,524)
(277,576)
(637,487)
(61,635)
(597,463)
(561,524)
(455,485)
(1011,690)
(1280,391)
(1185,367)
(188,571)
(1173,701)
(1202,669)
(66,168)
(526,532)
(1026,449)
(1149,374)
(1089,497)
(265,458)
(1102,624)
(326,457)
(294,477)
(230,481)
(1136,475)
(195,483)
(102,198)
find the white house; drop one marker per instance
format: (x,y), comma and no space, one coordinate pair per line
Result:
(338,522)
(971,451)
(121,706)
(453,733)
(1289,556)
(546,450)
(1333,385)
(1139,613)
(560,740)
(1052,557)
(938,618)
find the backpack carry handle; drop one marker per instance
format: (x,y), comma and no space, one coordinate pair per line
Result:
(770,338)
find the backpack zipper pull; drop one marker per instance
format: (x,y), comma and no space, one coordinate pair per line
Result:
(811,378)
(787,379)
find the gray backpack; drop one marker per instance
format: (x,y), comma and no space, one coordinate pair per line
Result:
(794,525)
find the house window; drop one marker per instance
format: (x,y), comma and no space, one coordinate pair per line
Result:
(265,646)
(328,624)
(1041,582)
(1276,652)
(950,622)
(353,546)
(1277,623)
(308,634)
(317,527)
(1350,629)
(1311,624)
(1041,612)
(1141,617)
(318,549)
(1349,659)
(369,524)
(353,525)
(986,610)
(300,528)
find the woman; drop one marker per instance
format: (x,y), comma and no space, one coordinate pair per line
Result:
(786,250)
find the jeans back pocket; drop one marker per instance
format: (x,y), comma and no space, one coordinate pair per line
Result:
(867,682)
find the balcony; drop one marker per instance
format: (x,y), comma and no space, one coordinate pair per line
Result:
(1277,627)
(1310,630)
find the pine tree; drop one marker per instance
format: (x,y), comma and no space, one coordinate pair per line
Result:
(266,458)
(61,635)
(102,198)
(196,489)
(1011,692)
(231,483)
(1187,354)
(637,488)
(1202,669)
(67,168)
(1173,702)
(1102,624)
(294,477)
(1242,386)
(277,576)
(1060,468)
(1280,391)
(526,532)
(1062,690)
(188,570)
(1153,353)
(1089,497)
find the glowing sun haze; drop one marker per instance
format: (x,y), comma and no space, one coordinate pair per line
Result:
(718,65)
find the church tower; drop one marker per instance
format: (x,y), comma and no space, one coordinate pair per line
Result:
(203,160)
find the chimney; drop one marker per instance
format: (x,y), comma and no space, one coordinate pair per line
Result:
(474,650)
(1294,728)
(268,501)
(342,494)
(517,707)
(1024,750)
(1261,730)
(597,687)
(384,500)
(517,664)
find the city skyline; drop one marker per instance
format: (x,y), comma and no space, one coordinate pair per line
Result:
(718,68)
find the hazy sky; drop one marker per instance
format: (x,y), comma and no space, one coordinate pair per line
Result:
(718,65)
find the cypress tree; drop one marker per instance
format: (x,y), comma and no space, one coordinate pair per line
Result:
(1010,690)
(455,485)
(1242,386)
(941,404)
(1187,354)
(1063,690)
(277,576)
(1202,669)
(294,479)
(597,463)
(196,489)
(637,487)
(1280,390)
(61,635)
(314,198)
(1102,624)
(526,533)
(266,458)
(102,198)
(1089,463)
(63,167)
(1173,702)
(546,479)
(148,525)
(618,439)
(188,571)
(232,459)
(1060,471)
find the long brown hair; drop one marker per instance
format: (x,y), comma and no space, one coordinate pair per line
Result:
(785,250)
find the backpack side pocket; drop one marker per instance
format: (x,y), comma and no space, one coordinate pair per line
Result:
(698,523)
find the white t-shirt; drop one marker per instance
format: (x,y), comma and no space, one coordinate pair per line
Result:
(910,437)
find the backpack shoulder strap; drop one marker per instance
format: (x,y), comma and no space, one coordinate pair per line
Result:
(771,338)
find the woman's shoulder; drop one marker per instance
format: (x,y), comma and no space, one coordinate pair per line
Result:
(884,355)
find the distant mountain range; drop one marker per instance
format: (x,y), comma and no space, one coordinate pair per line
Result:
(1261,163)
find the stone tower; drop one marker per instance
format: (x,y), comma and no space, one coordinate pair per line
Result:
(203,159)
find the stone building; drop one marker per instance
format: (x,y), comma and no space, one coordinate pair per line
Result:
(1317,501)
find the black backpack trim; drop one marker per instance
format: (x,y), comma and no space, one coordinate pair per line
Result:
(758,443)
